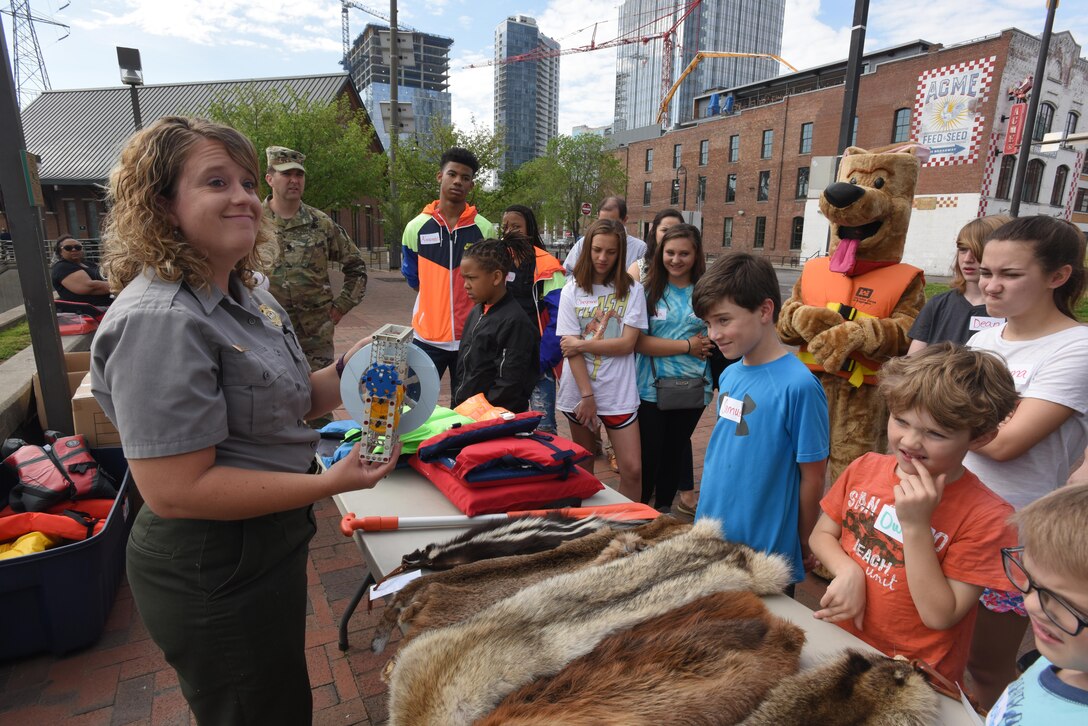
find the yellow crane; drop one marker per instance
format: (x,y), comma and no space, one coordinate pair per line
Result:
(697,60)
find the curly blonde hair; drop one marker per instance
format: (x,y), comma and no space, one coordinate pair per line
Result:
(138,233)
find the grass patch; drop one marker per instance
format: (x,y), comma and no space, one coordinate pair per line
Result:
(936,288)
(13,340)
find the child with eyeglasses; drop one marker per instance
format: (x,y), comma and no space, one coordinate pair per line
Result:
(1051,568)
(913,537)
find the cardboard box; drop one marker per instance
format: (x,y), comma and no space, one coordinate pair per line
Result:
(88,419)
(78,364)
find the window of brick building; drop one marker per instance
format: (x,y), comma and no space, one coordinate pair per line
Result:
(704,152)
(674,196)
(1043,121)
(797,231)
(1061,186)
(802,183)
(768,143)
(647,191)
(727,232)
(1004,178)
(761,233)
(734,148)
(700,190)
(676,156)
(1071,122)
(1081,205)
(731,188)
(901,125)
(649,159)
(1033,181)
(763,192)
(806,138)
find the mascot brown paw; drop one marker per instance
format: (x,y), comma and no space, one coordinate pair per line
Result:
(832,347)
(808,321)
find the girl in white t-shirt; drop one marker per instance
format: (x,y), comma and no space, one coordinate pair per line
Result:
(1032,274)
(601,312)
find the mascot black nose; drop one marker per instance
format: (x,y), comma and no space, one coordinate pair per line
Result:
(842,194)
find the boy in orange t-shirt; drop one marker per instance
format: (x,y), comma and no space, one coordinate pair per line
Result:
(912,538)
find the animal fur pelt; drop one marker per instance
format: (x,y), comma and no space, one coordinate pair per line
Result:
(458,674)
(709,662)
(855,689)
(501,538)
(444,598)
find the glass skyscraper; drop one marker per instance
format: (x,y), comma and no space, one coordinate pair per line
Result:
(526,92)
(736,26)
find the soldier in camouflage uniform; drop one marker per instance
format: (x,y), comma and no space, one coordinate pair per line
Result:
(309,241)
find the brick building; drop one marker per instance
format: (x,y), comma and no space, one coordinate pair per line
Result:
(754,176)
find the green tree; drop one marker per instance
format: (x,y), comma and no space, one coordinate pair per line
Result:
(416,168)
(574,169)
(338,141)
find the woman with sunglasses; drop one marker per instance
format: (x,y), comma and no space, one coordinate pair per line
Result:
(74,279)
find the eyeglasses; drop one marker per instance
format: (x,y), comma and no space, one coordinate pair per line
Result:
(72,248)
(1058,610)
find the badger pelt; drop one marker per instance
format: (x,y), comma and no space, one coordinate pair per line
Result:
(503,538)
(444,598)
(854,689)
(709,662)
(458,674)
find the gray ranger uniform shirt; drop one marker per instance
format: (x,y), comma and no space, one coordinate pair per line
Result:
(178,370)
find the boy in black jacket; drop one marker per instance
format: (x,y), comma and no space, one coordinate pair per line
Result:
(499,349)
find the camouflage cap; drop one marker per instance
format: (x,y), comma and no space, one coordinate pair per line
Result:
(281,158)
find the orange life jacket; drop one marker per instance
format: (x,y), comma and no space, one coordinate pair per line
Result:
(871,294)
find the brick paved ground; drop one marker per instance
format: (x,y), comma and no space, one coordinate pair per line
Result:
(123,679)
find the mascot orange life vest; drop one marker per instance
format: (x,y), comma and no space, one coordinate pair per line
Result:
(851,312)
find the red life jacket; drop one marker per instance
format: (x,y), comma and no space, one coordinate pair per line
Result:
(83,520)
(61,472)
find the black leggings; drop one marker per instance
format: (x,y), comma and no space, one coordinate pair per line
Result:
(666,451)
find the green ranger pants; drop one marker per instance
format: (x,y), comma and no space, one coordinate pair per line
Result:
(226,602)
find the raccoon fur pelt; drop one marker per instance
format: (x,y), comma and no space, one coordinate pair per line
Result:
(709,662)
(458,674)
(855,689)
(502,538)
(444,598)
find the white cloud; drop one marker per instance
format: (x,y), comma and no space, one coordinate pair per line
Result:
(808,42)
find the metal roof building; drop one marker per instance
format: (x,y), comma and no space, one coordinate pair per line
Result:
(79,133)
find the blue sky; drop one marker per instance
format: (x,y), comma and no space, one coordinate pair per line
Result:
(198,40)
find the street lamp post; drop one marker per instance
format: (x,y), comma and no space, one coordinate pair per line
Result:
(132,75)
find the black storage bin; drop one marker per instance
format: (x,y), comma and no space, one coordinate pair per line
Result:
(58,600)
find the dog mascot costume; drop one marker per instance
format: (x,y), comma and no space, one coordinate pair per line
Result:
(851,311)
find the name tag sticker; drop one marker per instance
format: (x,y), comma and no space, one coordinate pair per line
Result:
(585,302)
(731,409)
(661,313)
(393,584)
(888,523)
(982,322)
(1021,374)
(430,239)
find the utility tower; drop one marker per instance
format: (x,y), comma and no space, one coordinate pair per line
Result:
(28,66)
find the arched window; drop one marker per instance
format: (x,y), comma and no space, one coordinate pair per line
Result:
(1071,123)
(1004,179)
(1043,121)
(901,125)
(797,232)
(1033,180)
(1061,179)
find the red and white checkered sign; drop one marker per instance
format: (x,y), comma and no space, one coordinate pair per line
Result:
(945,117)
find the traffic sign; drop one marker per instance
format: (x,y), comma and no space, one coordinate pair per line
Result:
(586,209)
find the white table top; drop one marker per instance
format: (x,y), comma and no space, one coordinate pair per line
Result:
(405,493)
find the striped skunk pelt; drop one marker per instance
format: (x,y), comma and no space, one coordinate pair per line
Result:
(450,596)
(502,538)
(458,674)
(709,662)
(855,689)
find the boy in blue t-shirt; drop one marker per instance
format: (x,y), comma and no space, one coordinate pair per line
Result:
(763,473)
(1051,568)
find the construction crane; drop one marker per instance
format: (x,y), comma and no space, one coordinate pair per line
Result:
(671,91)
(540,52)
(346,31)
(30,75)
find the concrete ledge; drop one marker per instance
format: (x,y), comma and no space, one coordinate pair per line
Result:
(16,374)
(12,317)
